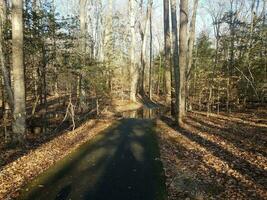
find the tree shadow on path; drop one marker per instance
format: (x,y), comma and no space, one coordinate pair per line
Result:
(121,163)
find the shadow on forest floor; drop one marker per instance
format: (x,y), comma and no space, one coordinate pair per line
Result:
(220,152)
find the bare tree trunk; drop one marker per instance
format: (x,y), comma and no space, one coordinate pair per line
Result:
(150,49)
(159,75)
(191,39)
(264,51)
(36,71)
(19,112)
(5,73)
(43,75)
(143,34)
(167,50)
(83,27)
(175,56)
(55,51)
(182,57)
(134,68)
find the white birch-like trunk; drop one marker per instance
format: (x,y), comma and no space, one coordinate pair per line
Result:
(133,68)
(19,111)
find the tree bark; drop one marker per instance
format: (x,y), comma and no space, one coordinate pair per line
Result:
(175,56)
(150,49)
(143,34)
(133,68)
(182,57)
(167,50)
(19,111)
(191,40)
(5,73)
(83,27)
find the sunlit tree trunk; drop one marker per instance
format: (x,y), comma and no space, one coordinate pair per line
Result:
(133,68)
(19,111)
(182,57)
(143,34)
(167,50)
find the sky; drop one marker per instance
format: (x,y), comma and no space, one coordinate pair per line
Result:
(203,21)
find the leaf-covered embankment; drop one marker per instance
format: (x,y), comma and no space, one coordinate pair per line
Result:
(18,173)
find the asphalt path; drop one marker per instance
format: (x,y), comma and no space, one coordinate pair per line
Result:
(122,163)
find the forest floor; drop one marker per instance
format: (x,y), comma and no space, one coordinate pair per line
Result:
(217,157)
(18,173)
(212,157)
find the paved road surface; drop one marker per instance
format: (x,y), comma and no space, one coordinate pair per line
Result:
(121,164)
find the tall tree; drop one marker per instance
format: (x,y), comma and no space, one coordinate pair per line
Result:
(150,49)
(5,73)
(19,111)
(83,27)
(175,56)
(191,40)
(183,44)
(133,68)
(167,49)
(7,93)
(143,34)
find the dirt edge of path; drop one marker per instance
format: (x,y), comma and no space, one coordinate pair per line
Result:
(17,174)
